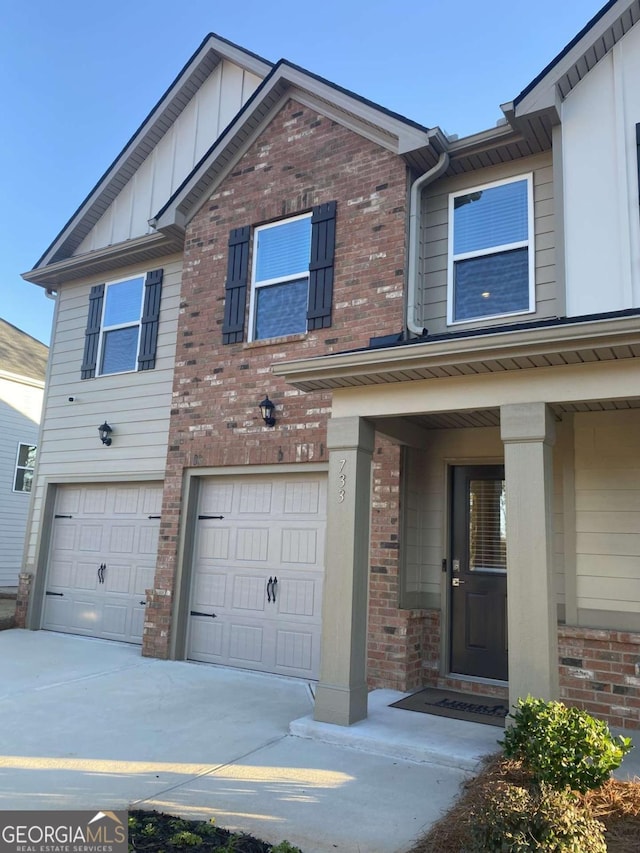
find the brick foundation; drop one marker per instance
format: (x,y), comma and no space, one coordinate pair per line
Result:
(22,599)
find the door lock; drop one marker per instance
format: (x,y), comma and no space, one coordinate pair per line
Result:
(456,582)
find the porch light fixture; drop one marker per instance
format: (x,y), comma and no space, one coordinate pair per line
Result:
(266,410)
(104,432)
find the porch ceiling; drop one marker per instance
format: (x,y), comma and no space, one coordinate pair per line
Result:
(595,340)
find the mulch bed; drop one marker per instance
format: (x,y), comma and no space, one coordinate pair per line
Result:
(616,804)
(151,832)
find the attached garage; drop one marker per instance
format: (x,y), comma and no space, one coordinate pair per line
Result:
(102,559)
(258,569)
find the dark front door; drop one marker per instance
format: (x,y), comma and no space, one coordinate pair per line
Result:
(478,574)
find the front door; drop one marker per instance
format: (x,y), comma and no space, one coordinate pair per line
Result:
(478,572)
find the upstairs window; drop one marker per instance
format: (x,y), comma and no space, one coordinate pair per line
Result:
(280,281)
(491,254)
(122,326)
(25,463)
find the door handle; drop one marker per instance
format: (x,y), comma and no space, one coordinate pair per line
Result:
(456,582)
(101,571)
(272,585)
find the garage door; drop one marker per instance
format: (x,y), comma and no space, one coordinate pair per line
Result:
(258,571)
(103,557)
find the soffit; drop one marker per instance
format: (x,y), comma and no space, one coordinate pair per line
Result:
(594,341)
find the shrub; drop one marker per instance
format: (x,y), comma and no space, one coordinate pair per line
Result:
(563,747)
(516,820)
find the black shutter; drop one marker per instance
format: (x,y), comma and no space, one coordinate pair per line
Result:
(150,316)
(92,332)
(235,296)
(323,244)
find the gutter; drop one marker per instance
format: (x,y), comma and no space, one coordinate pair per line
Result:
(414,236)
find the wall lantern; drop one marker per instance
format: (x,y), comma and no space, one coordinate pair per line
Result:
(104,432)
(266,410)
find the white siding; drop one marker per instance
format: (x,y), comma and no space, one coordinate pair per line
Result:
(600,183)
(198,126)
(608,511)
(20,406)
(431,310)
(137,404)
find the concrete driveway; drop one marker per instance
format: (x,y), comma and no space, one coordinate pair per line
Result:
(90,724)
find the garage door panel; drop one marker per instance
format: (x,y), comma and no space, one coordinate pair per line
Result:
(210,590)
(274,527)
(252,544)
(111,529)
(246,643)
(249,593)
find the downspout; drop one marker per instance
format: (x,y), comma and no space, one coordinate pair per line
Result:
(414,236)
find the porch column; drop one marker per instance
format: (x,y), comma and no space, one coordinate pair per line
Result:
(341,696)
(528,433)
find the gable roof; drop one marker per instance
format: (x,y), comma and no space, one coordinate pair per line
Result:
(539,101)
(212,51)
(420,145)
(20,354)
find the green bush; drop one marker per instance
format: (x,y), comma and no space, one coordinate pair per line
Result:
(563,747)
(516,820)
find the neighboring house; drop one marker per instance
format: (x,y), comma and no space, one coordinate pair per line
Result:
(448,329)
(23,365)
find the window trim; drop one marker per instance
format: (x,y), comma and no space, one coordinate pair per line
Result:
(129,325)
(255,286)
(529,244)
(18,467)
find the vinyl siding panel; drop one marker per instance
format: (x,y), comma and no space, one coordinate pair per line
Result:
(215,104)
(137,404)
(608,511)
(20,407)
(432,285)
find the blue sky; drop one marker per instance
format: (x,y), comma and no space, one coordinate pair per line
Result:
(79,78)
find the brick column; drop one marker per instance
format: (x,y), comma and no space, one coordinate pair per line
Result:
(341,696)
(528,433)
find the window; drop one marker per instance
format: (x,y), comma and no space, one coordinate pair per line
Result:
(25,463)
(491,255)
(280,280)
(122,327)
(291,277)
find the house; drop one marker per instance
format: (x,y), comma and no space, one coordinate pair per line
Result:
(23,364)
(447,330)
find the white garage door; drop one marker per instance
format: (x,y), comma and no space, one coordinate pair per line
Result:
(102,559)
(258,570)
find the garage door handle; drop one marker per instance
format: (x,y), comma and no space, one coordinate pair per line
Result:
(202,517)
(272,585)
(61,594)
(101,571)
(198,613)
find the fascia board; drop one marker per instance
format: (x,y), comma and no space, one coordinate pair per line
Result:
(212,44)
(542,95)
(599,333)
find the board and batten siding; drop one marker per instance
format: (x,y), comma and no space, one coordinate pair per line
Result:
(20,408)
(211,109)
(136,405)
(431,293)
(600,183)
(607,477)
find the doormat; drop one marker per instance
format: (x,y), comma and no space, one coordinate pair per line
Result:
(460,706)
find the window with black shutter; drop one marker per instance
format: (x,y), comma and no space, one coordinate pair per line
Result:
(122,326)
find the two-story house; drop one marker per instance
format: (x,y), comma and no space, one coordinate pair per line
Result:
(23,367)
(367,392)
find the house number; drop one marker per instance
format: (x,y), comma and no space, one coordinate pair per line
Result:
(342,479)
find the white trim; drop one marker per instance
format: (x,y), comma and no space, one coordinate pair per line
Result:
(255,285)
(116,327)
(529,243)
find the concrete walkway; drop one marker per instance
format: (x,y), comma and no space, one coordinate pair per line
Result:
(90,724)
